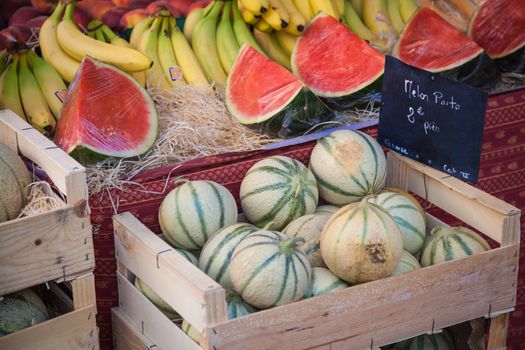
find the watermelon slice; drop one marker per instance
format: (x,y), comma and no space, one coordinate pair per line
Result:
(105,113)
(336,64)
(499,27)
(261,93)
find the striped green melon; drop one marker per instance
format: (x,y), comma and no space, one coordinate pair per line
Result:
(188,255)
(407,213)
(450,243)
(309,227)
(191,332)
(236,306)
(278,190)
(348,165)
(217,252)
(438,341)
(361,242)
(14,178)
(194,211)
(326,209)
(406,264)
(20,310)
(268,269)
(323,282)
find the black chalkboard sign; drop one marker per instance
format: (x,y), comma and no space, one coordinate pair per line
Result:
(434,120)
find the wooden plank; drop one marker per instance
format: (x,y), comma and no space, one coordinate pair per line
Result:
(75,330)
(151,322)
(84,291)
(52,245)
(498,332)
(386,310)
(125,337)
(8,135)
(194,295)
(482,211)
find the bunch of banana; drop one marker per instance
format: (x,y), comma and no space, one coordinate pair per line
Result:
(34,90)
(63,45)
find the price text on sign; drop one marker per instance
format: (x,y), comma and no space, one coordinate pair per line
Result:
(431,119)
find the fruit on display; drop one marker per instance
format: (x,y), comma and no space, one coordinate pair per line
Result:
(450,243)
(309,227)
(227,46)
(149,293)
(326,209)
(132,18)
(504,43)
(324,6)
(236,306)
(407,8)
(24,14)
(100,119)
(342,84)
(241,30)
(262,94)
(286,42)
(44,6)
(348,165)
(10,93)
(166,54)
(323,282)
(277,190)
(191,21)
(188,255)
(217,252)
(14,179)
(268,269)
(190,331)
(407,263)
(375,16)
(394,13)
(356,25)
(20,310)
(269,43)
(408,214)
(194,211)
(361,243)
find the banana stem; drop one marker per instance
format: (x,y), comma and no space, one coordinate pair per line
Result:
(70,8)
(108,33)
(59,10)
(216,9)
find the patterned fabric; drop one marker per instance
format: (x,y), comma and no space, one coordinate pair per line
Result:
(502,174)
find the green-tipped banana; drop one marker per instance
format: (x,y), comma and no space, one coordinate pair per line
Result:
(138,30)
(99,35)
(407,9)
(33,101)
(286,40)
(148,46)
(272,48)
(263,26)
(51,84)
(277,16)
(356,25)
(339,6)
(297,20)
(376,18)
(167,59)
(204,43)
(392,7)
(4,59)
(257,7)
(11,95)
(193,18)
(358,7)
(2,79)
(227,46)
(241,30)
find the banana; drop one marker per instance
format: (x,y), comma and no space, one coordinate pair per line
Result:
(100,36)
(4,58)
(2,78)
(204,43)
(242,33)
(263,26)
(286,41)
(304,7)
(247,15)
(65,65)
(277,16)
(79,45)
(407,9)
(356,25)
(11,95)
(272,48)
(339,6)
(297,20)
(51,84)
(188,62)
(138,30)
(34,102)
(227,46)
(376,19)
(358,7)
(392,7)
(257,7)
(324,6)
(166,55)
(193,18)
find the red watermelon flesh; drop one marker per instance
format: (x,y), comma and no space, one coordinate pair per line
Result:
(106,112)
(499,27)
(429,42)
(332,61)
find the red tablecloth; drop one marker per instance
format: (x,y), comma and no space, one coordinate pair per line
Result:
(502,174)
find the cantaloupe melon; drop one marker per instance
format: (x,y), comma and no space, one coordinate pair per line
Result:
(309,227)
(14,178)
(407,263)
(236,306)
(326,209)
(20,310)
(323,282)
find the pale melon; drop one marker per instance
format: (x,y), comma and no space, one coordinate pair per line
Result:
(14,178)
(407,263)
(323,282)
(20,310)
(309,227)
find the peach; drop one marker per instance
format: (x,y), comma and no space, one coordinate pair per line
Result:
(8,7)
(160,4)
(36,23)
(44,6)
(81,17)
(87,4)
(138,4)
(13,35)
(130,19)
(99,9)
(112,17)
(122,2)
(197,4)
(23,14)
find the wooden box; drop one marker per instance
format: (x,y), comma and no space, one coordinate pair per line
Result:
(365,316)
(56,245)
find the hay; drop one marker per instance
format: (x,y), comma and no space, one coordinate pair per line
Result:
(40,199)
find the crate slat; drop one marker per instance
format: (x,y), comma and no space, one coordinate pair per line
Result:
(125,336)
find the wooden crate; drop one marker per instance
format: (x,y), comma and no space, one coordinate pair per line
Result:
(361,317)
(55,245)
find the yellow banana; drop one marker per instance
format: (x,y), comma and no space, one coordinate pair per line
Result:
(271,46)
(358,7)
(407,9)
(277,16)
(188,62)
(247,15)
(256,7)
(166,55)
(65,65)
(356,25)
(227,46)
(324,6)
(51,84)
(392,7)
(304,7)
(297,20)
(286,41)
(376,19)
(79,45)
(204,43)
(192,19)
(339,6)
(137,31)
(11,93)
(242,33)
(263,26)
(33,101)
